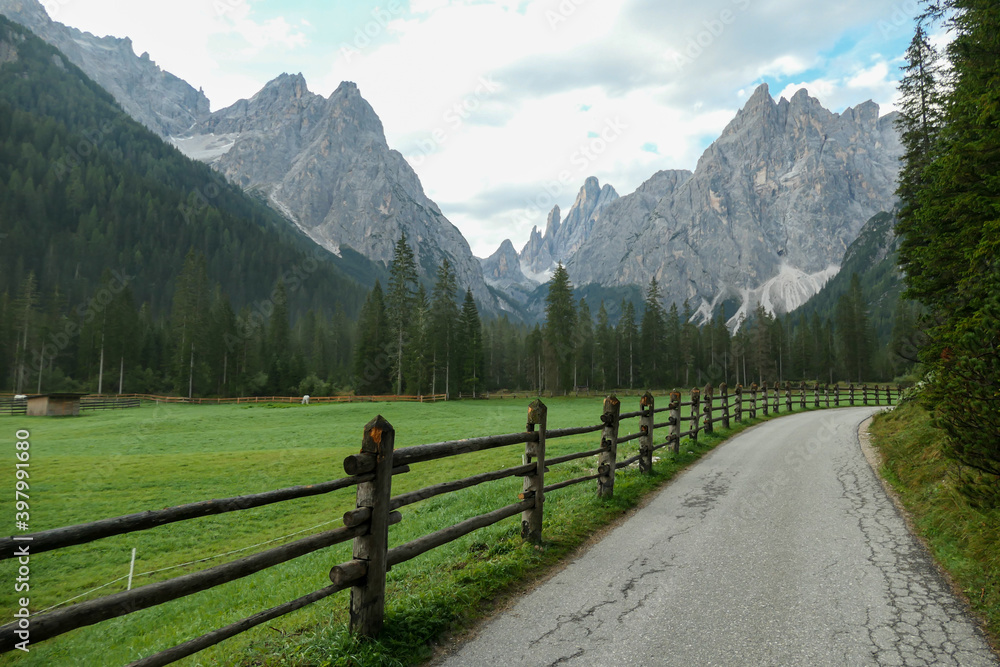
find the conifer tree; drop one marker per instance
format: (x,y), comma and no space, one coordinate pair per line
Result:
(372,360)
(444,323)
(560,324)
(399,300)
(471,343)
(653,337)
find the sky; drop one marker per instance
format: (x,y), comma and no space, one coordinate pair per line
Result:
(505,107)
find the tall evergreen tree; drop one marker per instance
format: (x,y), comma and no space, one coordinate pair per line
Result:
(583,363)
(560,325)
(471,345)
(606,353)
(399,301)
(854,334)
(444,324)
(628,347)
(372,360)
(189,325)
(653,338)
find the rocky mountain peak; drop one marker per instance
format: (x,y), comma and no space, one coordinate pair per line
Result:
(326,165)
(552,222)
(564,235)
(765,218)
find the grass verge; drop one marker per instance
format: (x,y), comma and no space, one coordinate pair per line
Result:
(965,540)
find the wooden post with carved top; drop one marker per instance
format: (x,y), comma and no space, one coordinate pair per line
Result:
(368,596)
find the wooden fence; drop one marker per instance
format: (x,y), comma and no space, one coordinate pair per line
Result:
(11,406)
(371,472)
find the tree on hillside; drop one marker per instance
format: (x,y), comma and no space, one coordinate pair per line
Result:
(605,349)
(444,323)
(189,324)
(854,335)
(584,354)
(653,338)
(470,338)
(560,325)
(399,301)
(628,347)
(372,361)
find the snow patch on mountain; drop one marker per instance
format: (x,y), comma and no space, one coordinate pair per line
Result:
(781,294)
(205,147)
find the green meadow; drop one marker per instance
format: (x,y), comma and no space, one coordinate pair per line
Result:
(117,462)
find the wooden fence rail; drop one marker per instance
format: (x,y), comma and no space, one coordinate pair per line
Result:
(371,472)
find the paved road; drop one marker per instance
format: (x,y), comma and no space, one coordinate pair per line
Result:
(780,548)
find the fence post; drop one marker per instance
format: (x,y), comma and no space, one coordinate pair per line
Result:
(802,395)
(608,457)
(709,397)
(368,597)
(864,394)
(739,403)
(646,421)
(836,395)
(816,395)
(826,394)
(788,395)
(753,400)
(534,483)
(724,392)
(695,413)
(876,396)
(675,420)
(766,407)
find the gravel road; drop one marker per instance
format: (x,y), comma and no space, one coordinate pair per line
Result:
(779,548)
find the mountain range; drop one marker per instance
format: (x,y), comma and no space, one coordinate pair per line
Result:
(765,218)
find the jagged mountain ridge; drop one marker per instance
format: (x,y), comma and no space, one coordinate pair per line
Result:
(325,163)
(157,99)
(776,199)
(563,237)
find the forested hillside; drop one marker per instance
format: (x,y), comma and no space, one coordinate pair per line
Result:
(97,218)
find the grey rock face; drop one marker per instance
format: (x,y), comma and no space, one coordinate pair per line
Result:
(778,197)
(502,270)
(325,164)
(564,236)
(157,99)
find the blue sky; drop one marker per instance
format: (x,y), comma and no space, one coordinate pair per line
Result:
(505,107)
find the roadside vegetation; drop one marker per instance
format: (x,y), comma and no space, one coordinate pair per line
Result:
(964,538)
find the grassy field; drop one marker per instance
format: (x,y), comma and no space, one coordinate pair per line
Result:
(117,462)
(965,540)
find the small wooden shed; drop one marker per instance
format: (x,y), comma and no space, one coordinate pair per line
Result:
(54,405)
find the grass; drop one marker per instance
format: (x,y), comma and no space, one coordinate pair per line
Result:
(117,462)
(965,540)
